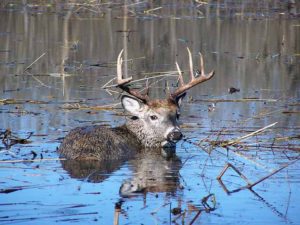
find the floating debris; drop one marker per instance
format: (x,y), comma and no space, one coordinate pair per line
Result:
(20,101)
(78,106)
(232,90)
(9,139)
(176,211)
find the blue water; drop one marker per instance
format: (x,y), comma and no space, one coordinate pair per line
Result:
(243,52)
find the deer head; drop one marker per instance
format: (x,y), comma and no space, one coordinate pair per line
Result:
(155,122)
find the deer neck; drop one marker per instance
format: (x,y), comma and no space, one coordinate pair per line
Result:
(144,136)
(128,136)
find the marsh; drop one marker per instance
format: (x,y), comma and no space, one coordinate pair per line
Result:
(55,59)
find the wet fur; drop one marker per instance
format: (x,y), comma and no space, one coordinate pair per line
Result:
(100,143)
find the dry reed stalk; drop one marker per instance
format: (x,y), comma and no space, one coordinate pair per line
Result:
(32,160)
(83,107)
(34,61)
(133,4)
(227,143)
(105,85)
(196,217)
(249,185)
(142,79)
(25,70)
(151,10)
(239,100)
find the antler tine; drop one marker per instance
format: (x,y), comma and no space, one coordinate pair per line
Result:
(180,78)
(191,64)
(147,88)
(120,79)
(207,76)
(201,64)
(193,80)
(122,82)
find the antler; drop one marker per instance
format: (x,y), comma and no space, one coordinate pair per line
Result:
(122,83)
(193,80)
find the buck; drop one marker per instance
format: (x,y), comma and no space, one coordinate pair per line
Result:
(152,124)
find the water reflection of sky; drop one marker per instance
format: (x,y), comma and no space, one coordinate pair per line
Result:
(261,57)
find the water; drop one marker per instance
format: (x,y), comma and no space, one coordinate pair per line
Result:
(253,47)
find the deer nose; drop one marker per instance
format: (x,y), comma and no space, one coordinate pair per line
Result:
(175,135)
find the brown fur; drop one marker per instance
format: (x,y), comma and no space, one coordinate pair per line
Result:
(99,143)
(163,103)
(140,131)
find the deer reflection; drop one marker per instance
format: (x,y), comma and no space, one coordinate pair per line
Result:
(152,172)
(91,170)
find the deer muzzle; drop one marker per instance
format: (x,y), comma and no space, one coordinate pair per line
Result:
(169,145)
(175,135)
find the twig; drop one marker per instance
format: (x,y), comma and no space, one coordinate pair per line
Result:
(134,4)
(270,206)
(9,139)
(237,100)
(104,86)
(250,158)
(201,2)
(249,185)
(235,169)
(78,106)
(139,80)
(205,204)
(39,81)
(32,160)
(108,92)
(160,73)
(271,174)
(248,135)
(25,70)
(196,217)
(34,61)
(178,216)
(151,10)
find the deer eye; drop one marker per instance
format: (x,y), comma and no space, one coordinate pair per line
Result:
(153,117)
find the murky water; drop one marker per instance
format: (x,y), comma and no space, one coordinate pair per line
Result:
(254,48)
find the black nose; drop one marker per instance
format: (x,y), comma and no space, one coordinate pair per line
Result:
(174,135)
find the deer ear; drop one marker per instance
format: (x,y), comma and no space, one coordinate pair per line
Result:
(180,98)
(131,105)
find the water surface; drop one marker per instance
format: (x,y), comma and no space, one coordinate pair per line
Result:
(253,47)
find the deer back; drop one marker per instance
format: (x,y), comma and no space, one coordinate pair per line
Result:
(99,143)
